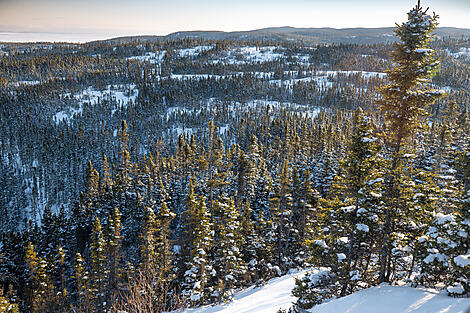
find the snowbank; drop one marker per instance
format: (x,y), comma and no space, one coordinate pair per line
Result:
(395,299)
(275,295)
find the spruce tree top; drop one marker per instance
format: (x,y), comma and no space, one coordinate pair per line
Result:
(406,98)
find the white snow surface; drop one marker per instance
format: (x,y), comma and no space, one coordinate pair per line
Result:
(395,299)
(122,94)
(462,260)
(463,53)
(275,295)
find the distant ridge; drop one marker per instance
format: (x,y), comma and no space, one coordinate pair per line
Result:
(307,35)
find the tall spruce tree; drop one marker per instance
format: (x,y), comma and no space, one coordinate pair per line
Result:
(404,104)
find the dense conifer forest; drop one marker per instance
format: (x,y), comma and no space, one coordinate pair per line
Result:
(147,176)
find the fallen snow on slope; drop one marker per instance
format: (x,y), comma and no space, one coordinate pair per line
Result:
(276,294)
(395,299)
(266,299)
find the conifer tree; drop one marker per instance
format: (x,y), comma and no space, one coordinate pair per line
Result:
(42,289)
(125,166)
(404,105)
(164,255)
(99,270)
(282,217)
(84,290)
(305,199)
(61,280)
(113,250)
(460,258)
(148,241)
(92,184)
(228,242)
(199,273)
(107,180)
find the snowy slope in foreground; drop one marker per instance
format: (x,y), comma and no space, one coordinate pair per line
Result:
(381,299)
(394,299)
(266,299)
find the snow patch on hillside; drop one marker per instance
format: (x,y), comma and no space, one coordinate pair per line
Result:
(195,51)
(120,94)
(152,57)
(463,52)
(244,55)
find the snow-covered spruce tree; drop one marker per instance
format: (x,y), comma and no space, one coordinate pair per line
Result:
(147,248)
(263,189)
(228,241)
(250,244)
(460,260)
(113,250)
(41,289)
(418,200)
(404,103)
(99,270)
(60,280)
(348,224)
(164,254)
(305,199)
(84,293)
(445,248)
(199,271)
(7,306)
(282,218)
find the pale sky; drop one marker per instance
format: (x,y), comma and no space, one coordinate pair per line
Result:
(107,18)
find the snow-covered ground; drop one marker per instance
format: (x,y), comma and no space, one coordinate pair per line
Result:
(195,51)
(152,57)
(395,299)
(244,55)
(122,94)
(266,299)
(276,294)
(463,52)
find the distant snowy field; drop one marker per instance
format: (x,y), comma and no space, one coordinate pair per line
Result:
(276,294)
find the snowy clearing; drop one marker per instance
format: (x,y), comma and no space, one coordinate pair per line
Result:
(463,52)
(121,94)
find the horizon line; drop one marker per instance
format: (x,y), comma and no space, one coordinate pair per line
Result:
(103,36)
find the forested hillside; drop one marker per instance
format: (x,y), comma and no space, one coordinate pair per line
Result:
(145,176)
